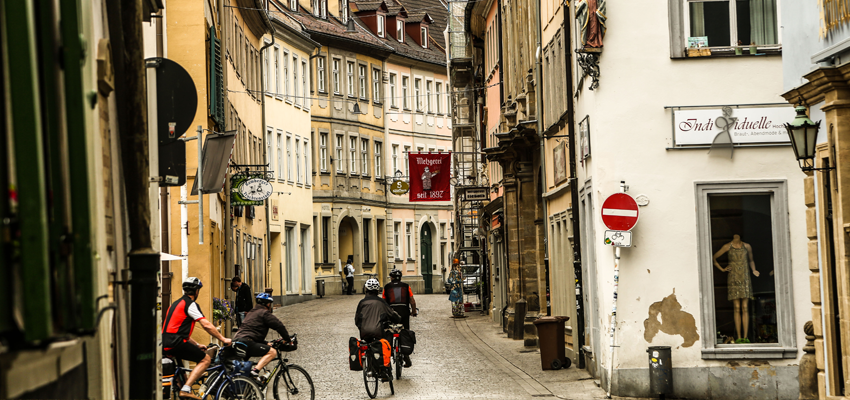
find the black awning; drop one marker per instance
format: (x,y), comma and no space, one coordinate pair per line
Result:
(217,150)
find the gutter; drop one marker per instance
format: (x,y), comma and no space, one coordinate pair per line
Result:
(266,146)
(538,93)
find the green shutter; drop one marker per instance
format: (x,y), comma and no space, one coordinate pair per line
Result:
(216,90)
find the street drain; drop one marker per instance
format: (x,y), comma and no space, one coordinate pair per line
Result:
(528,351)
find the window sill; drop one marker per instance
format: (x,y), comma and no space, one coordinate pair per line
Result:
(411,260)
(288,101)
(729,352)
(726,52)
(280,98)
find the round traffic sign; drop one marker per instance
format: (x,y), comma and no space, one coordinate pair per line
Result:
(620,212)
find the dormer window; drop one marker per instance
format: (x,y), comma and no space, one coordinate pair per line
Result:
(399,30)
(343,11)
(380,26)
(293,5)
(424,35)
(320,8)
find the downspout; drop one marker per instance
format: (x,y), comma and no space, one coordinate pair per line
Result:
(573,182)
(267,264)
(538,93)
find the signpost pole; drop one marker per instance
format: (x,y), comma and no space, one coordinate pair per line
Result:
(200,185)
(614,307)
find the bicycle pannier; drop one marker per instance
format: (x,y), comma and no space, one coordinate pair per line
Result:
(354,355)
(168,369)
(406,340)
(381,352)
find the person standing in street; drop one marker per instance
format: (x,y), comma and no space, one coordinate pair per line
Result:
(400,297)
(456,295)
(349,276)
(244,300)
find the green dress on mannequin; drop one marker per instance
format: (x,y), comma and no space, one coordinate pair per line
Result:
(739,287)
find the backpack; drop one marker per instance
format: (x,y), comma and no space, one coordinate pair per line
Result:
(406,340)
(354,363)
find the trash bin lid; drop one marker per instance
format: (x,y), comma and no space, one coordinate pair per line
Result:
(546,320)
(562,317)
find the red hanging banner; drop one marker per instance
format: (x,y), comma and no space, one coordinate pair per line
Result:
(429,176)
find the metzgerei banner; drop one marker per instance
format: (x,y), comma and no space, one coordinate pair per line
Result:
(429,176)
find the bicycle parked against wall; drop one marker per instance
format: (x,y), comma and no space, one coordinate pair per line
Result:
(290,381)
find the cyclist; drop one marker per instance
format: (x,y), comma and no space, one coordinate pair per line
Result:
(254,329)
(373,313)
(400,297)
(177,330)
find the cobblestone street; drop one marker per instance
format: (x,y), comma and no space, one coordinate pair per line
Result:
(454,359)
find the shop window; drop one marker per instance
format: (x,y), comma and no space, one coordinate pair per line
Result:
(744,260)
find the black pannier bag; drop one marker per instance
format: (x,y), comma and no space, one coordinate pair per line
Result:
(354,355)
(406,341)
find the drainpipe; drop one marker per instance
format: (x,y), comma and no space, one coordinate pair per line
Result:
(266,266)
(577,269)
(538,92)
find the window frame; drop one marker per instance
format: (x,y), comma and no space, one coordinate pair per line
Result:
(395,148)
(406,161)
(336,63)
(320,74)
(399,30)
(286,76)
(364,154)
(787,346)
(378,168)
(429,84)
(280,155)
(679,28)
(405,84)
(417,91)
(362,81)
(376,85)
(298,160)
(267,69)
(423,32)
(289,157)
(438,87)
(293,5)
(323,151)
(349,72)
(343,11)
(305,88)
(352,154)
(340,150)
(277,92)
(393,81)
(295,81)
(381,25)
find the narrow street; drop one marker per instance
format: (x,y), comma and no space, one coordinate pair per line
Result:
(454,359)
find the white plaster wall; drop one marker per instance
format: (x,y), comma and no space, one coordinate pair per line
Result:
(630,131)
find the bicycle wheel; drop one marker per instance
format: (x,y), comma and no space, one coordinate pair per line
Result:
(370,378)
(398,359)
(292,383)
(240,388)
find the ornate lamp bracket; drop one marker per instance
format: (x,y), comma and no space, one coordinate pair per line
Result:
(588,61)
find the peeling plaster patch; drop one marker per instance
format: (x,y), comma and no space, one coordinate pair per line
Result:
(675,321)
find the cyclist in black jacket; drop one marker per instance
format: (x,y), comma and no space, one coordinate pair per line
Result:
(373,313)
(254,329)
(400,298)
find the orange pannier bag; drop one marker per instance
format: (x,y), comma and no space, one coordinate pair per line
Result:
(387,354)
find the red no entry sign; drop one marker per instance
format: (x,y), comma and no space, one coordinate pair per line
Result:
(620,212)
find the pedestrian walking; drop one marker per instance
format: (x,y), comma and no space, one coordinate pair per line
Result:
(244,300)
(456,295)
(349,275)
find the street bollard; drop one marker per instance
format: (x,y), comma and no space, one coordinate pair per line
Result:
(660,371)
(519,319)
(320,288)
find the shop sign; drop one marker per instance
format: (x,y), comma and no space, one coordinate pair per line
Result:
(429,176)
(746,125)
(399,187)
(476,194)
(249,190)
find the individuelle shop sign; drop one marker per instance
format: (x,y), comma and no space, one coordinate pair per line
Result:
(429,176)
(746,125)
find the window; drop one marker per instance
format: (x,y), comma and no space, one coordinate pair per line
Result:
(336,76)
(404,82)
(439,87)
(723,23)
(417,86)
(324,5)
(266,71)
(452,230)
(743,228)
(320,74)
(408,229)
(286,74)
(352,154)
(362,71)
(424,36)
(293,5)
(406,164)
(295,81)
(376,85)
(297,159)
(350,71)
(396,242)
(395,159)
(378,160)
(307,156)
(399,30)
(366,223)
(428,85)
(289,157)
(343,11)
(326,226)
(277,71)
(323,152)
(304,86)
(339,162)
(380,26)
(443,230)
(364,156)
(280,155)
(448,101)
(269,141)
(392,90)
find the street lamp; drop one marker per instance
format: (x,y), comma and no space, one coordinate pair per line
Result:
(804,133)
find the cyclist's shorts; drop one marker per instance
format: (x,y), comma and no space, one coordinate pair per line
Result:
(186,351)
(256,349)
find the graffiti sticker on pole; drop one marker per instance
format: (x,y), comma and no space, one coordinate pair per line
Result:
(429,176)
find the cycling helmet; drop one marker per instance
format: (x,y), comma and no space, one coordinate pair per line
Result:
(192,284)
(395,273)
(372,284)
(264,298)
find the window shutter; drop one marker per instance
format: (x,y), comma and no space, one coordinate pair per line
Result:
(216,91)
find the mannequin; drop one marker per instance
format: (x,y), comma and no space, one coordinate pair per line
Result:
(740,288)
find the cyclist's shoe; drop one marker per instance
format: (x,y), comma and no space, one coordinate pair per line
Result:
(407,363)
(255,373)
(187,395)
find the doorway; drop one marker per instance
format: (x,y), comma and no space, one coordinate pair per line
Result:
(425,251)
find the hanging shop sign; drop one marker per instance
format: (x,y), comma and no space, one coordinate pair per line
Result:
(745,125)
(249,190)
(429,176)
(476,194)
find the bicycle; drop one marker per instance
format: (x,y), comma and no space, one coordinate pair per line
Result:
(371,371)
(290,381)
(397,357)
(216,380)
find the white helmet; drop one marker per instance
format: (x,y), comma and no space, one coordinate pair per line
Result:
(372,284)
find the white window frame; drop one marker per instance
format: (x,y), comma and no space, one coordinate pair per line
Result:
(396,240)
(286,75)
(406,161)
(428,86)
(293,5)
(417,90)
(339,161)
(405,83)
(395,159)
(267,64)
(376,85)
(349,71)
(393,79)
(295,80)
(304,84)
(280,155)
(399,30)
(364,156)
(379,159)
(337,84)
(363,81)
(380,25)
(324,5)
(352,154)
(438,88)
(343,11)
(423,32)
(277,91)
(308,174)
(323,152)
(681,25)
(320,74)
(786,327)
(289,157)
(298,159)
(408,230)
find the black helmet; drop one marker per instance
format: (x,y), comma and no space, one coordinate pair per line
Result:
(192,284)
(395,273)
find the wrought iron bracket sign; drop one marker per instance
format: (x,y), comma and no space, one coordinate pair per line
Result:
(250,185)
(588,61)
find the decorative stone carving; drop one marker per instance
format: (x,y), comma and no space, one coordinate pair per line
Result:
(808,366)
